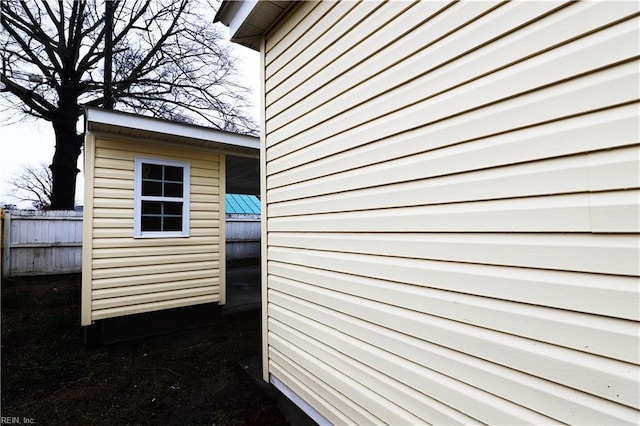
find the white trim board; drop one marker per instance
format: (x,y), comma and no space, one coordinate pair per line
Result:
(301,403)
(172,128)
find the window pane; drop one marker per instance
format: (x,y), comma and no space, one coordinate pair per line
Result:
(165,184)
(151,171)
(172,223)
(150,188)
(150,223)
(151,207)
(173,190)
(173,209)
(173,173)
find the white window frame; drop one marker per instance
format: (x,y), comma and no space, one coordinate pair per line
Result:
(138,198)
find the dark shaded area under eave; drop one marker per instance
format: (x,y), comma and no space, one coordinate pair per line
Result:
(243,175)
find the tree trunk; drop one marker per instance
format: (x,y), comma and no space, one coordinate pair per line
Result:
(64,168)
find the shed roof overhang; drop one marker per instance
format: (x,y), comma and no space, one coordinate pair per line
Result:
(248,20)
(242,151)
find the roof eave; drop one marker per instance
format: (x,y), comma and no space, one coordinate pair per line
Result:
(249,20)
(101,120)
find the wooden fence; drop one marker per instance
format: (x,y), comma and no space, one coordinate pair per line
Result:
(242,237)
(43,243)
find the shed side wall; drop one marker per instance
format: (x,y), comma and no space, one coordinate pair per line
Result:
(452,211)
(133,275)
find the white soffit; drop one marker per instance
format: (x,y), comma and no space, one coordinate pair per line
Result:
(248,20)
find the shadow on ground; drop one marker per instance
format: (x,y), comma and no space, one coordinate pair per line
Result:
(195,376)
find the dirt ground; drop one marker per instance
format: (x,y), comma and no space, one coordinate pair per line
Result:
(189,377)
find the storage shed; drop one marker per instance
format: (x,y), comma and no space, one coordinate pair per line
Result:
(450,208)
(154,212)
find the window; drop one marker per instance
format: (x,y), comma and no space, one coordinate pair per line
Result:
(161,198)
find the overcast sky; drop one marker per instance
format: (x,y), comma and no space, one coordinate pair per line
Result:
(32,142)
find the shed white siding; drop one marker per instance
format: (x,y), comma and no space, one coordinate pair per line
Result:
(452,211)
(125,275)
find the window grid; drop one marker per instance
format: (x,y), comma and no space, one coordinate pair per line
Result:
(162,198)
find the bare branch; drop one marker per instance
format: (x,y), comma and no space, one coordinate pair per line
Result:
(34,28)
(12,24)
(33,184)
(30,98)
(169,61)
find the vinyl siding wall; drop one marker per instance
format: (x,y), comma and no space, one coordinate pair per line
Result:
(125,275)
(452,211)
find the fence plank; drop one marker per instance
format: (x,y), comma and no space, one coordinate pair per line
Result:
(6,257)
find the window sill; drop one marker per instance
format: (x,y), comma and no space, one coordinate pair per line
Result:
(161,235)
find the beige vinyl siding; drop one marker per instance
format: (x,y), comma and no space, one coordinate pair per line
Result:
(452,211)
(132,275)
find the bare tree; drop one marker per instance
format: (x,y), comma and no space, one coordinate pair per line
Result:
(33,183)
(169,61)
